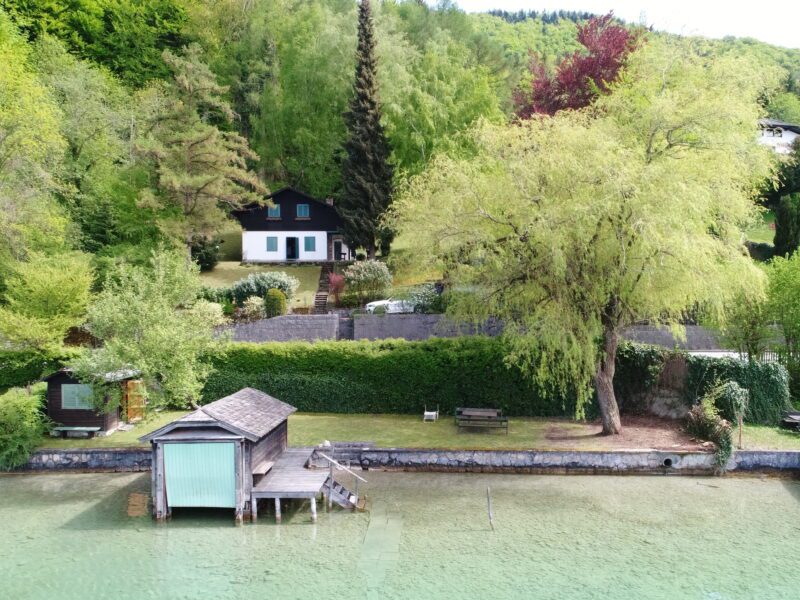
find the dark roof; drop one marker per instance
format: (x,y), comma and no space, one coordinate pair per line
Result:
(323,216)
(772,123)
(249,413)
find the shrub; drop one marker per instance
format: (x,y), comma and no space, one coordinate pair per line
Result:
(767,383)
(257,284)
(20,368)
(704,422)
(215,294)
(426,299)
(368,279)
(335,286)
(274,303)
(205,252)
(253,308)
(21,426)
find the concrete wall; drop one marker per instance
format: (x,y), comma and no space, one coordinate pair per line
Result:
(89,459)
(309,328)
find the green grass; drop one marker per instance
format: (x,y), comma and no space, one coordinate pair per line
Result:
(763,233)
(117,439)
(763,437)
(410,431)
(229,272)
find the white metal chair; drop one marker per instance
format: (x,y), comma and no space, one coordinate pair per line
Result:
(430,415)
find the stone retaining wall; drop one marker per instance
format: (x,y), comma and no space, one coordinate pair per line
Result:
(482,461)
(116,460)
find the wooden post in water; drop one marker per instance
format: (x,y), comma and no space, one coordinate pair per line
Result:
(253,509)
(314,509)
(330,490)
(277,510)
(489,506)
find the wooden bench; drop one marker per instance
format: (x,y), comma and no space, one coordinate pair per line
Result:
(483,418)
(78,431)
(263,467)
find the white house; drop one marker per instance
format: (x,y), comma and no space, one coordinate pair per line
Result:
(778,135)
(298,228)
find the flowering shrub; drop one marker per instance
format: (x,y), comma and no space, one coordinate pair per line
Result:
(253,308)
(368,280)
(257,284)
(426,299)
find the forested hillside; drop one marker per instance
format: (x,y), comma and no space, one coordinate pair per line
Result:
(98,99)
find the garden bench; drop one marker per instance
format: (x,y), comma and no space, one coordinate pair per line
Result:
(491,418)
(73,431)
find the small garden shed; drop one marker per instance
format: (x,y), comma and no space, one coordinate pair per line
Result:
(69,403)
(209,457)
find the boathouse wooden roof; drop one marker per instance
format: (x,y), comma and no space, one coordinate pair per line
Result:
(249,413)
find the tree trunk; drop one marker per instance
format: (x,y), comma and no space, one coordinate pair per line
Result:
(604,382)
(371,251)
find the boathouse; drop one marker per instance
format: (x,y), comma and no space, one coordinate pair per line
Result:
(70,406)
(211,457)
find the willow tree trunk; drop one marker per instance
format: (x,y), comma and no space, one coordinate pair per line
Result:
(604,383)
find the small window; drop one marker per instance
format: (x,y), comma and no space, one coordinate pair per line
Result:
(310,243)
(302,211)
(272,243)
(76,396)
(274,212)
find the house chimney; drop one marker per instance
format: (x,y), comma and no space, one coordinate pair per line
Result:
(329,201)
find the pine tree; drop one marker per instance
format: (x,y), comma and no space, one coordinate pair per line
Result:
(366,171)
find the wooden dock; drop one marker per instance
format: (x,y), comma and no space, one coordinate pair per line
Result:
(289,478)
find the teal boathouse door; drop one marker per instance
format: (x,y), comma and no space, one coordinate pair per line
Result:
(202,474)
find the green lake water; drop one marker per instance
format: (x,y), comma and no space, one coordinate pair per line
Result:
(424,536)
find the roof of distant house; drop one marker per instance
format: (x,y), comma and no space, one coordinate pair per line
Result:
(110,377)
(250,413)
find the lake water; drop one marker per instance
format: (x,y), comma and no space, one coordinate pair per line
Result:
(425,536)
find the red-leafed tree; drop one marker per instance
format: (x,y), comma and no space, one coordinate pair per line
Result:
(581,77)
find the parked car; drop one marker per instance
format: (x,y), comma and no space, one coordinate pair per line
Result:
(391,306)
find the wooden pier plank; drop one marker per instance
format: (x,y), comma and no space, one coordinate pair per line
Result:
(289,478)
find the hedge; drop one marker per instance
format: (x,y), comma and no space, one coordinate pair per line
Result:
(397,376)
(768,384)
(20,368)
(388,376)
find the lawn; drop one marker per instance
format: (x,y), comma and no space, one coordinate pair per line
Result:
(764,232)
(409,431)
(118,438)
(229,272)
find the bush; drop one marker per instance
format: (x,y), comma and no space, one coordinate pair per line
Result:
(336,286)
(253,309)
(205,252)
(20,368)
(767,383)
(368,280)
(21,426)
(274,303)
(704,422)
(257,284)
(426,299)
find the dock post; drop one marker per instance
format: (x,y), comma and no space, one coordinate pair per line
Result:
(277,510)
(314,509)
(253,509)
(330,490)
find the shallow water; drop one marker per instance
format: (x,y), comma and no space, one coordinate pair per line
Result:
(425,536)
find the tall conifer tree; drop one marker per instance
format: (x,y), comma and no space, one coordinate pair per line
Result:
(366,171)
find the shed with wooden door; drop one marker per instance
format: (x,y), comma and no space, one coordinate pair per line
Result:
(71,408)
(211,457)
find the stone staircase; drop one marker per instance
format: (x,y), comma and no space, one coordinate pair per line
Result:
(321,297)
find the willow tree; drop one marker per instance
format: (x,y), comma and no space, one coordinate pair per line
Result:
(570,228)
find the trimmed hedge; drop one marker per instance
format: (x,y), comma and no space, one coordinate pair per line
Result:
(397,376)
(20,368)
(388,376)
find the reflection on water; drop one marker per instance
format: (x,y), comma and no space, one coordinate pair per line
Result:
(425,536)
